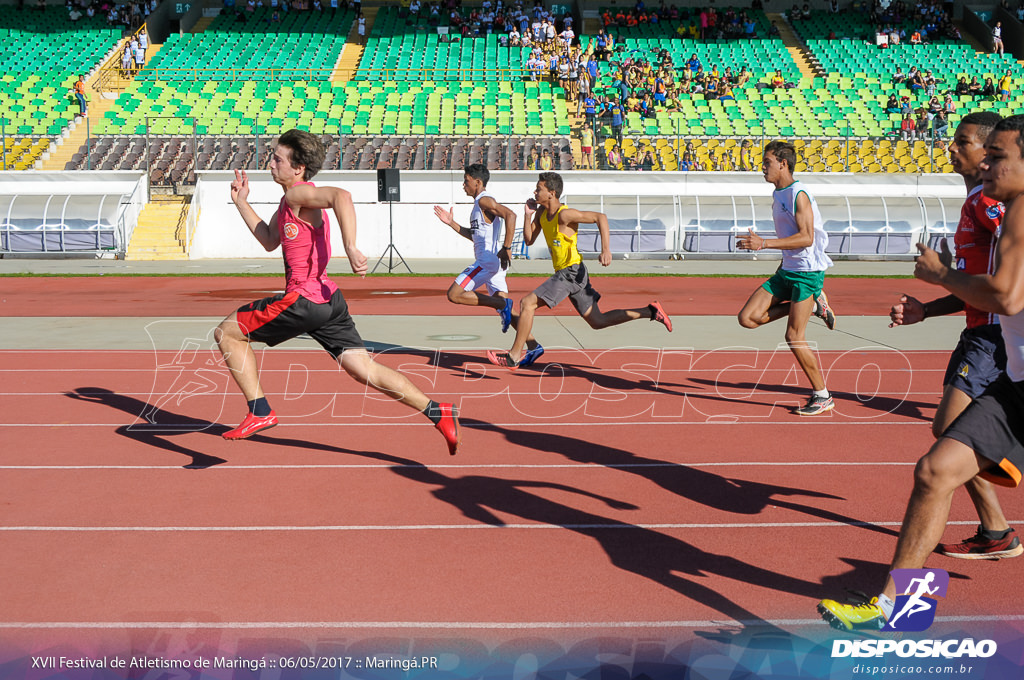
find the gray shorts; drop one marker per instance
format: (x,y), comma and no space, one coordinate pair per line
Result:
(573,282)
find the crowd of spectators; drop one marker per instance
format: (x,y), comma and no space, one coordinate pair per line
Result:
(929,20)
(130,14)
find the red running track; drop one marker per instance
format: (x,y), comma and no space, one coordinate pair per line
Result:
(712,503)
(420,296)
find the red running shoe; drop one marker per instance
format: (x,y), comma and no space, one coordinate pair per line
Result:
(504,359)
(658,314)
(981,546)
(448,426)
(251,425)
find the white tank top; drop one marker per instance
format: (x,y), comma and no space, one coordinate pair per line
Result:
(487,236)
(812,258)
(1013,338)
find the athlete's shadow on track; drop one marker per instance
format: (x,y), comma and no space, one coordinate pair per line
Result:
(456,362)
(647,553)
(739,496)
(880,403)
(159,429)
(162,425)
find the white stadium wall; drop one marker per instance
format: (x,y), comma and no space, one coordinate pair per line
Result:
(912,205)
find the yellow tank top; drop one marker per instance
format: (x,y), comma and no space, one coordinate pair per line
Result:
(563,248)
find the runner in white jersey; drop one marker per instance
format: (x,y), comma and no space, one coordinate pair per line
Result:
(492,229)
(795,291)
(987,438)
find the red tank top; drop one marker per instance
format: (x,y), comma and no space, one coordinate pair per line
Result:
(306,251)
(975,238)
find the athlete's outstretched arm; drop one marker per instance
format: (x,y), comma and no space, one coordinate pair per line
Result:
(573,218)
(999,293)
(266,234)
(449,219)
(803,238)
(340,201)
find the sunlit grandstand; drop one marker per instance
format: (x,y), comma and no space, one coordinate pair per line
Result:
(173,89)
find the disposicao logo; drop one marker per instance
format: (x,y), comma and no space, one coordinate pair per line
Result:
(914,610)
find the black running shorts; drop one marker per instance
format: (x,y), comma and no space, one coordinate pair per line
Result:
(993,426)
(275,319)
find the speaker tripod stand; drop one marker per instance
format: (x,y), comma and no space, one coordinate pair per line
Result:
(391,251)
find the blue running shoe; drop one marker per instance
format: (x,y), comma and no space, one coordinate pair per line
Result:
(531,356)
(506,315)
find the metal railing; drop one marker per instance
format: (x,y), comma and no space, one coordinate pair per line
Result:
(111,75)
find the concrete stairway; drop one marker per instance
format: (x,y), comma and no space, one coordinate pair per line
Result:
(101,102)
(160,234)
(795,46)
(348,60)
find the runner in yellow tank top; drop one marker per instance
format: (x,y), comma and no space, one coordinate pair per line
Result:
(560,226)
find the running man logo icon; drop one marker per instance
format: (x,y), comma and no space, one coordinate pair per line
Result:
(914,610)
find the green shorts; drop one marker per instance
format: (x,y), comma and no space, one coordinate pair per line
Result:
(795,286)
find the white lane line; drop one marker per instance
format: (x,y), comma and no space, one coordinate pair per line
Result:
(712,420)
(465,527)
(596,465)
(449,625)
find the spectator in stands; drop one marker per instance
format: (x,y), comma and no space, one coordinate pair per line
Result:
(940,124)
(686,163)
(743,77)
(988,90)
(908,129)
(915,80)
(961,86)
(1005,83)
(546,162)
(126,61)
(534,159)
(922,124)
(746,156)
(647,162)
(614,158)
(140,56)
(79,89)
(934,105)
(905,105)
(725,163)
(695,64)
(778,82)
(893,105)
(587,147)
(997,38)
(948,105)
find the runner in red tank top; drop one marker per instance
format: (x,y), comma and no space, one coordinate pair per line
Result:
(980,356)
(311,302)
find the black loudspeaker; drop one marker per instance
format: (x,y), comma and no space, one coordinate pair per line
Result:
(388,185)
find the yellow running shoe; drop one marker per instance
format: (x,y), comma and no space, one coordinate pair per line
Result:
(848,617)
